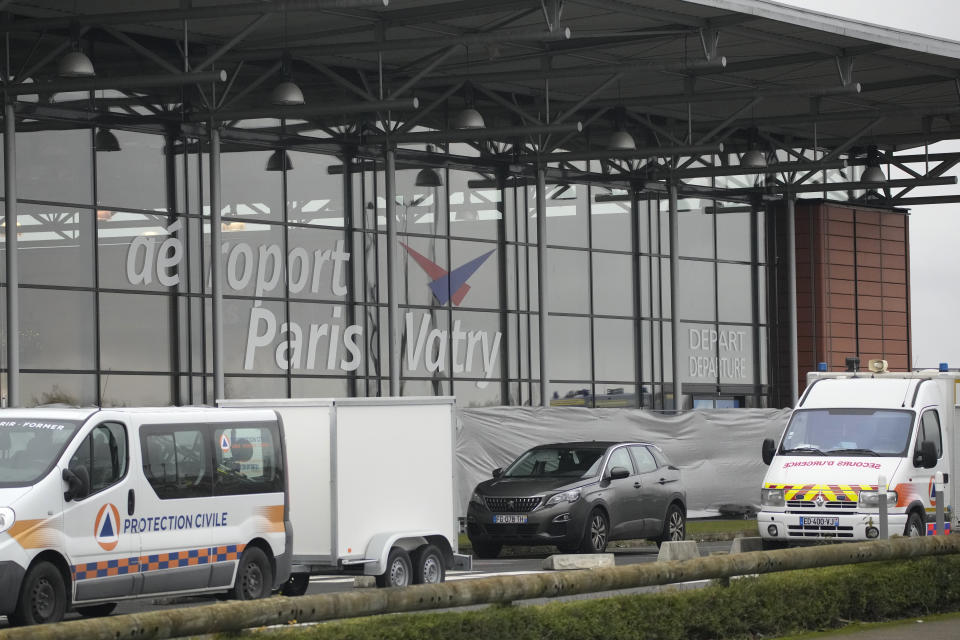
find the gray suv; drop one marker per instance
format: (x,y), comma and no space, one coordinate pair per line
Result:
(579,496)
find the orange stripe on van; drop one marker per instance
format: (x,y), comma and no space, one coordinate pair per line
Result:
(274,517)
(34,534)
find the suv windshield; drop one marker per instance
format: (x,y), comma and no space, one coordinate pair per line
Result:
(567,462)
(848,432)
(30,446)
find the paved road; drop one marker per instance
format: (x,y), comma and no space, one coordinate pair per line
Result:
(940,629)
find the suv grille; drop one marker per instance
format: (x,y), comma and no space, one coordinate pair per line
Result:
(512,505)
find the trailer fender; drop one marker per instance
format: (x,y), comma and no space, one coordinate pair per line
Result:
(379,547)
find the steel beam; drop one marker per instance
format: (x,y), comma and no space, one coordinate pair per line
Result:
(117,82)
(792,298)
(393,303)
(711,172)
(629,154)
(542,289)
(215,261)
(307,110)
(230,44)
(10,245)
(463,135)
(675,299)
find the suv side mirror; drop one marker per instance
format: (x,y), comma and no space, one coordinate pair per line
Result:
(497,472)
(78,483)
(769,448)
(927,456)
(618,473)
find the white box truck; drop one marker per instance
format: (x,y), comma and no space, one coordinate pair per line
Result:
(856,439)
(103,505)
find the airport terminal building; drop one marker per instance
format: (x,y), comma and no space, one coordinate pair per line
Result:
(609,204)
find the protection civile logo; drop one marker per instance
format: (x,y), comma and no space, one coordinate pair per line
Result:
(106,530)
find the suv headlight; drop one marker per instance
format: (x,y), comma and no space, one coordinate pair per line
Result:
(772,498)
(567,496)
(872,498)
(7,518)
(476,499)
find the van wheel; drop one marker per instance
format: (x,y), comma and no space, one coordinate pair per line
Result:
(254,576)
(428,565)
(399,571)
(914,528)
(297,585)
(96,610)
(43,597)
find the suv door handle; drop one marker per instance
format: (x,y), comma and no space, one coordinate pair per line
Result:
(636,485)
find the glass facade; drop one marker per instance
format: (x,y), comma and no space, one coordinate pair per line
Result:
(115,291)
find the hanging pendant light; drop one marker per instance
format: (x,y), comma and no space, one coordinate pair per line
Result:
(468,118)
(105,140)
(428,178)
(287,94)
(279,160)
(873,172)
(75,64)
(621,140)
(754,158)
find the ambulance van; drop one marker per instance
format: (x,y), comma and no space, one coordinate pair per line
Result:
(854,441)
(98,506)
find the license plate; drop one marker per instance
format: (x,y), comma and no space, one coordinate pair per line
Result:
(819,521)
(510,519)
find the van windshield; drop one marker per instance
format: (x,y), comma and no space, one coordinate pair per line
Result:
(848,432)
(571,462)
(29,447)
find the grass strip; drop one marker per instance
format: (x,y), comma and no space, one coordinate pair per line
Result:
(766,606)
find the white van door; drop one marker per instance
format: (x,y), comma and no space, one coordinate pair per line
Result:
(175,508)
(104,557)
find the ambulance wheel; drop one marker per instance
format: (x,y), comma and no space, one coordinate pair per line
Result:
(914,528)
(428,566)
(296,586)
(96,610)
(43,597)
(399,571)
(254,576)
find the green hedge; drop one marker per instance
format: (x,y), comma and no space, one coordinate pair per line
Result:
(765,606)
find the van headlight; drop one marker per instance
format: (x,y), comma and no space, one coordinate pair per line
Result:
(567,496)
(7,518)
(772,498)
(872,498)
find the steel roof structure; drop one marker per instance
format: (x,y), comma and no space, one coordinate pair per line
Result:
(696,83)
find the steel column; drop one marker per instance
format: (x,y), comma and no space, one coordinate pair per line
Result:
(215,258)
(393,305)
(792,297)
(542,278)
(675,300)
(10,241)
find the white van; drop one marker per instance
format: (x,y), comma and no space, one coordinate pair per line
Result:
(849,433)
(98,506)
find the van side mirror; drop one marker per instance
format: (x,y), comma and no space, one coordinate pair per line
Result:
(618,473)
(769,448)
(78,483)
(497,472)
(927,456)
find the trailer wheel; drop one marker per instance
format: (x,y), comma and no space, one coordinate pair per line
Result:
(399,571)
(43,597)
(254,576)
(96,610)
(297,585)
(428,565)
(914,528)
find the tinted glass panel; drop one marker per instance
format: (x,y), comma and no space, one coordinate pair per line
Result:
(177,461)
(248,460)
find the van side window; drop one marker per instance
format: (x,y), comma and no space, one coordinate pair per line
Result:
(101,460)
(930,430)
(248,460)
(177,461)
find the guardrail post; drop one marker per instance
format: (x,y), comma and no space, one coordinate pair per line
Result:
(882,504)
(938,495)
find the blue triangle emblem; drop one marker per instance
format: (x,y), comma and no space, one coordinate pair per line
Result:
(107,530)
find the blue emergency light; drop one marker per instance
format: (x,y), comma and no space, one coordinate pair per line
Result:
(821,366)
(944,366)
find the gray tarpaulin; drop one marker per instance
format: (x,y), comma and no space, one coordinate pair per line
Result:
(717,450)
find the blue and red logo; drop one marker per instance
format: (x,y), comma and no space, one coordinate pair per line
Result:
(106,529)
(448,285)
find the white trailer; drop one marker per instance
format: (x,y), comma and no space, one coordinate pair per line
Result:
(371,487)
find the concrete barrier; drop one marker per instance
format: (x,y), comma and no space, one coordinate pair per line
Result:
(678,550)
(567,561)
(744,545)
(235,616)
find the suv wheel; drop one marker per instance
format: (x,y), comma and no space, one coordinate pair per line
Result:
(597,533)
(674,526)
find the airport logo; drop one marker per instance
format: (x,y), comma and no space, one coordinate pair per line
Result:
(444,282)
(106,530)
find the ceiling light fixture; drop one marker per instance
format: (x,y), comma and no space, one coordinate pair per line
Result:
(873,172)
(105,140)
(279,160)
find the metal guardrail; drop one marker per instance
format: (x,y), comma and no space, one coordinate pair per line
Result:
(279,610)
